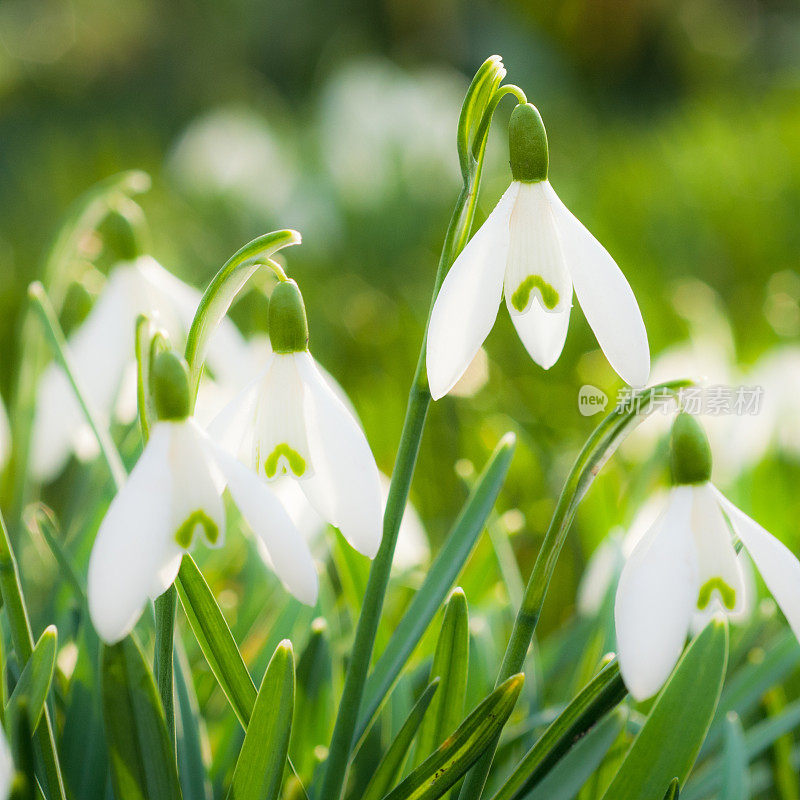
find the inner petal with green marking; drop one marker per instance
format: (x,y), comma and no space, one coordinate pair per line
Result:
(197,519)
(521,297)
(726,593)
(282,460)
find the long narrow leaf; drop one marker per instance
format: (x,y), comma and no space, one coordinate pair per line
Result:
(735,779)
(391,765)
(262,760)
(437,584)
(142,758)
(34,682)
(596,699)
(668,743)
(463,747)
(215,640)
(450,665)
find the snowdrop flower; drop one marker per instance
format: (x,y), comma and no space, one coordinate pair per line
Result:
(290,422)
(173,496)
(102,351)
(686,562)
(533,250)
(412,550)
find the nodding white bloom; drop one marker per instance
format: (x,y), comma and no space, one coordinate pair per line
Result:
(686,562)
(412,550)
(174,495)
(533,250)
(103,356)
(289,421)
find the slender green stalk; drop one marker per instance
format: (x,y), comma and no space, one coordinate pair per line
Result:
(605,438)
(41,303)
(22,639)
(484,87)
(165,607)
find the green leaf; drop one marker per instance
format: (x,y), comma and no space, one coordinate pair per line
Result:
(600,695)
(668,743)
(34,682)
(734,775)
(463,747)
(222,290)
(142,759)
(215,639)
(439,580)
(450,666)
(262,760)
(193,749)
(391,765)
(565,780)
(674,790)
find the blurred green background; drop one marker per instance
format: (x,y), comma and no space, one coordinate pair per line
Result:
(675,136)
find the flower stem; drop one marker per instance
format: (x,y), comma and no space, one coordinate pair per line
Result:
(416,411)
(602,443)
(22,638)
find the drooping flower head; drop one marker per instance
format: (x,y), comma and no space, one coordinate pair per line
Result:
(102,352)
(533,250)
(687,562)
(173,497)
(289,422)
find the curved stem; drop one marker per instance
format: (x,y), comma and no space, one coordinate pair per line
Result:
(483,85)
(600,446)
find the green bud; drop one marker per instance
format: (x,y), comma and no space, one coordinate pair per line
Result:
(288,326)
(169,384)
(119,237)
(76,307)
(527,144)
(690,455)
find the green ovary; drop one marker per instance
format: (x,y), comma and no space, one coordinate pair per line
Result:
(522,295)
(184,534)
(727,593)
(296,462)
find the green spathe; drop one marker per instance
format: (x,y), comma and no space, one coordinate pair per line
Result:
(288,326)
(169,383)
(690,454)
(527,144)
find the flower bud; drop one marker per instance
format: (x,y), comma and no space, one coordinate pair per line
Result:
(288,326)
(690,455)
(77,305)
(169,384)
(527,144)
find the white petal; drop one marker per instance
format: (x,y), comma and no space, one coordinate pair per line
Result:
(281,439)
(197,487)
(536,271)
(467,304)
(605,297)
(288,551)
(6,767)
(134,556)
(601,573)
(716,556)
(233,428)
(778,566)
(412,548)
(345,487)
(99,351)
(655,599)
(543,332)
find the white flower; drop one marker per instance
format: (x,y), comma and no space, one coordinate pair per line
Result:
(412,550)
(290,422)
(685,563)
(533,250)
(102,353)
(173,495)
